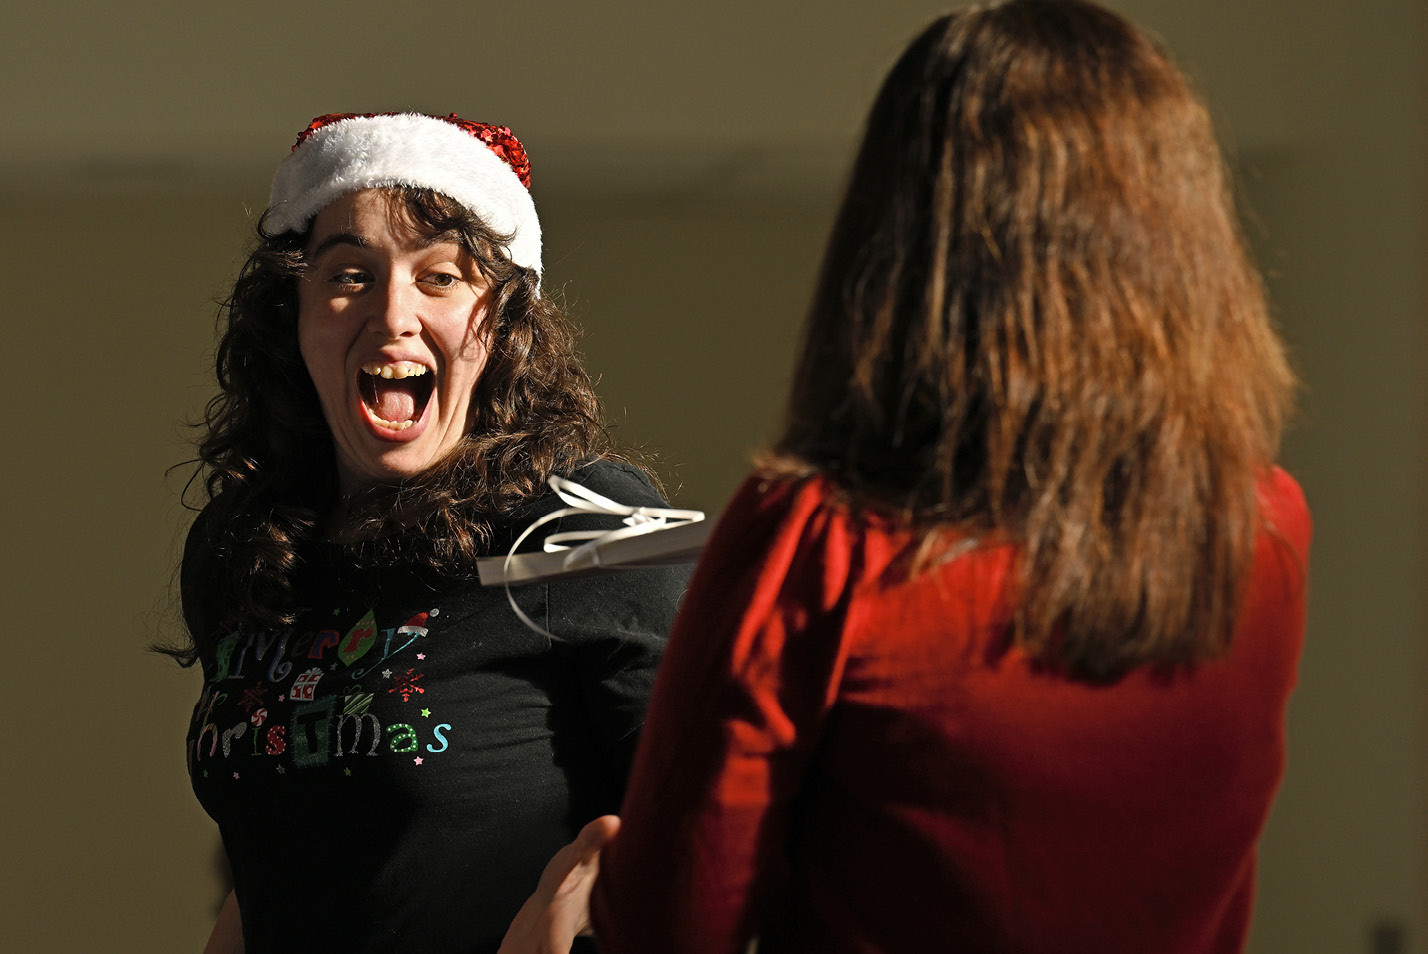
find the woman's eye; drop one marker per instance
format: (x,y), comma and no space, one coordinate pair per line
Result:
(442,279)
(349,278)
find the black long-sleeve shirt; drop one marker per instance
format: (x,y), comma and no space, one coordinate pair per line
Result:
(392,773)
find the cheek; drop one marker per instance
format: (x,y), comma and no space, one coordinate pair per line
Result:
(320,351)
(467,369)
(470,351)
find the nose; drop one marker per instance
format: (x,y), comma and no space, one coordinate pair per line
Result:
(395,313)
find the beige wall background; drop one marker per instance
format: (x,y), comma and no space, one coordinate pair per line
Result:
(687,157)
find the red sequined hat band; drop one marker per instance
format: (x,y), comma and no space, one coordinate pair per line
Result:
(481,166)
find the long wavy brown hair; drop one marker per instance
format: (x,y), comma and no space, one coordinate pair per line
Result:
(265,459)
(1036,322)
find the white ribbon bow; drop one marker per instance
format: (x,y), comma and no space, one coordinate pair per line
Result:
(581,499)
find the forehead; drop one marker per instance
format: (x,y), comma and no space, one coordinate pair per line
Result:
(370,217)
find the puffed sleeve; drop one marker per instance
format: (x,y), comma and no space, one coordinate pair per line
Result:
(750,674)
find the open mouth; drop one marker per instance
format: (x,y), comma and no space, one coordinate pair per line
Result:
(396,394)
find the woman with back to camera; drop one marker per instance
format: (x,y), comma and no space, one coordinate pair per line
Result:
(389,753)
(992,652)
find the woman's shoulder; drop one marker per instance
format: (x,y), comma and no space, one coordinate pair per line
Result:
(807,522)
(202,530)
(618,480)
(768,500)
(614,479)
(1284,509)
(814,505)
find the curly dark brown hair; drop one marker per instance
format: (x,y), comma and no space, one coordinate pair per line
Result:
(266,464)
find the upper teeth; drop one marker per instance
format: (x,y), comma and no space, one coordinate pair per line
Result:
(399,369)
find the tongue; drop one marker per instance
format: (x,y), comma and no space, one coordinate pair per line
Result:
(394,400)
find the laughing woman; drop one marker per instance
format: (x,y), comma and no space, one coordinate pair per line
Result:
(389,754)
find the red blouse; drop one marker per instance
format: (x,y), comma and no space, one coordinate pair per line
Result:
(840,759)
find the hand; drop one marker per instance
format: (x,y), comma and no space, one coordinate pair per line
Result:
(559,910)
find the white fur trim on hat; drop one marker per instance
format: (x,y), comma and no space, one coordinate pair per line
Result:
(406,149)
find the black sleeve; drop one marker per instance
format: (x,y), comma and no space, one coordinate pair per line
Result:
(198,586)
(618,623)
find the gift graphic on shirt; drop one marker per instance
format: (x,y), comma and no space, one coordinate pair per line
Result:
(305,685)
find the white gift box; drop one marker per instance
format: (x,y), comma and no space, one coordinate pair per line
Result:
(680,543)
(649,536)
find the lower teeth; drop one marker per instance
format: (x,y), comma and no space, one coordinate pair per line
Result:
(390,425)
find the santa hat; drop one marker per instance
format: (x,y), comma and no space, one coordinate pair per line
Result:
(483,167)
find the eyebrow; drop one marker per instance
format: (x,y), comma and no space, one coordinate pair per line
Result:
(359,241)
(336,239)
